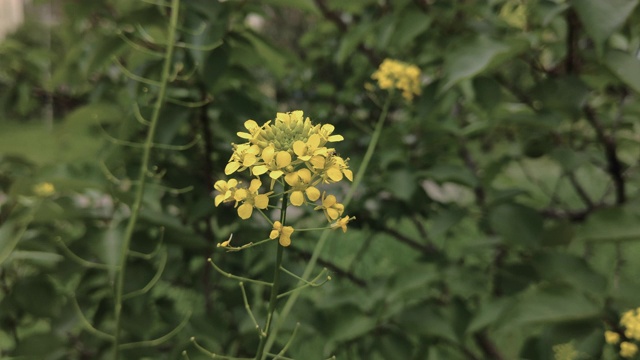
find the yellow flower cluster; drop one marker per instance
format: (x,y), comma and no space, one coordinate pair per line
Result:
(565,351)
(630,320)
(44,189)
(290,151)
(399,75)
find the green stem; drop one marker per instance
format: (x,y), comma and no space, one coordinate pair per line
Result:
(142,176)
(273,298)
(325,234)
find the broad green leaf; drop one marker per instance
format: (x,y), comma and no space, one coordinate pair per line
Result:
(428,320)
(38,296)
(549,304)
(517,224)
(351,40)
(472,58)
(626,68)
(276,59)
(601,18)
(613,224)
(410,23)
(348,322)
(567,268)
(567,93)
(488,313)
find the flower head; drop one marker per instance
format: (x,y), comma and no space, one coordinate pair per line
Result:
(293,152)
(628,349)
(394,74)
(631,321)
(611,337)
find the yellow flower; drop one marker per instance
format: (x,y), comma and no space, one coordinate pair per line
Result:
(300,182)
(331,207)
(611,337)
(44,189)
(399,75)
(274,162)
(331,169)
(304,150)
(284,232)
(631,321)
(226,190)
(244,155)
(342,223)
(250,198)
(628,349)
(565,352)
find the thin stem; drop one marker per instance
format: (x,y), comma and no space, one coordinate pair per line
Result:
(142,176)
(325,234)
(273,298)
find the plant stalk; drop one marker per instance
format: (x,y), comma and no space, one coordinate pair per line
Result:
(273,298)
(142,176)
(325,234)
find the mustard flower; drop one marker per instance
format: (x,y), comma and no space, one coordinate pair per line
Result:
(565,351)
(226,190)
(628,349)
(244,155)
(331,207)
(44,189)
(250,198)
(300,182)
(281,232)
(399,75)
(342,223)
(292,151)
(611,337)
(631,321)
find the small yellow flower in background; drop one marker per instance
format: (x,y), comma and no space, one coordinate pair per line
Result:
(399,75)
(565,352)
(290,151)
(611,337)
(44,189)
(628,350)
(283,232)
(631,321)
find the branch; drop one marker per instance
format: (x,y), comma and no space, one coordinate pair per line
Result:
(614,166)
(428,249)
(487,346)
(331,266)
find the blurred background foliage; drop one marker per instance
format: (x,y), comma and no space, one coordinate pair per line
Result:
(500,217)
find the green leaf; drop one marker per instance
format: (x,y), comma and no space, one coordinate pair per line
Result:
(517,224)
(428,320)
(567,268)
(626,68)
(549,304)
(347,323)
(38,296)
(351,40)
(474,57)
(614,224)
(12,230)
(306,5)
(489,313)
(272,57)
(410,23)
(601,18)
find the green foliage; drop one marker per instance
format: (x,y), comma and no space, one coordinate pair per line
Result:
(498,218)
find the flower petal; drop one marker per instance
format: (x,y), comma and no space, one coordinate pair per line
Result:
(245,210)
(297,199)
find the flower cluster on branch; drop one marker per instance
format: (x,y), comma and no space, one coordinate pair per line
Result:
(290,151)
